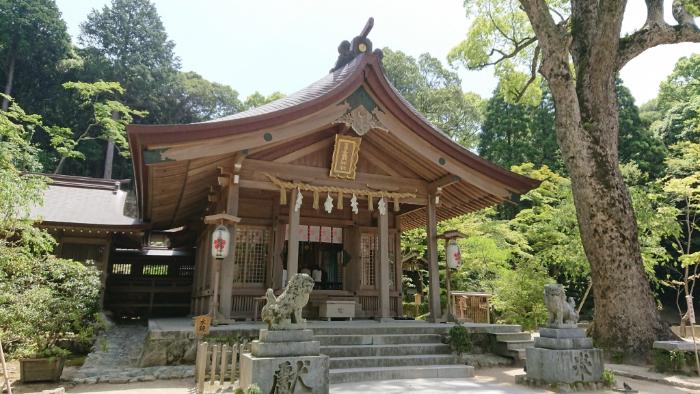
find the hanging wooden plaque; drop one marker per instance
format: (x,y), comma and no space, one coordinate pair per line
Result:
(346,153)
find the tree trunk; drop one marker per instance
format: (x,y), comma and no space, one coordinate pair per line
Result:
(625,316)
(10,80)
(109,158)
(59,167)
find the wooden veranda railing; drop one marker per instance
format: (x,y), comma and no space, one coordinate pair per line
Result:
(217,366)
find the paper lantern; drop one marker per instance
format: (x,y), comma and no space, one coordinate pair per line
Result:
(454,256)
(220,242)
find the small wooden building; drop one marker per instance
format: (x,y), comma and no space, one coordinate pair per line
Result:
(322,181)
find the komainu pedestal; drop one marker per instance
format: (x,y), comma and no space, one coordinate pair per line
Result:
(563,353)
(286,359)
(285,362)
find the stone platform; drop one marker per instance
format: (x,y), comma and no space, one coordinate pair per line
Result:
(564,355)
(286,361)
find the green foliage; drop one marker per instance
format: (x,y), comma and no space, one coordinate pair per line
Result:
(34,38)
(96,98)
(500,34)
(518,294)
(608,378)
(257,99)
(127,43)
(516,133)
(637,144)
(198,99)
(672,361)
(459,339)
(252,389)
(42,298)
(436,92)
(550,227)
(45,299)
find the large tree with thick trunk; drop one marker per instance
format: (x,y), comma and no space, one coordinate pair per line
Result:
(578,49)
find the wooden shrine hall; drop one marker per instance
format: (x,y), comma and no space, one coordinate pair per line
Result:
(322,181)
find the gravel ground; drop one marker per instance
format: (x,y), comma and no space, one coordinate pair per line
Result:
(487,381)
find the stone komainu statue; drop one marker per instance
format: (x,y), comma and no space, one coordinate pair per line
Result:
(560,311)
(284,312)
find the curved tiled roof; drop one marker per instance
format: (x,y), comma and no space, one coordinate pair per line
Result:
(315,90)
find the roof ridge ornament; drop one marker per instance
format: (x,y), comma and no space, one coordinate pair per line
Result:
(347,51)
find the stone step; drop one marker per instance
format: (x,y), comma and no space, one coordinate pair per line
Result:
(406,372)
(514,336)
(385,350)
(391,339)
(379,330)
(406,328)
(392,361)
(518,345)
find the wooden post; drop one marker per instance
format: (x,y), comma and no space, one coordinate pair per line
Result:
(235,351)
(201,366)
(448,287)
(293,238)
(4,370)
(214,357)
(222,369)
(227,266)
(384,306)
(433,269)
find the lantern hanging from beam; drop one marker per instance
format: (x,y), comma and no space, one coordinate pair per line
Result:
(220,242)
(454,256)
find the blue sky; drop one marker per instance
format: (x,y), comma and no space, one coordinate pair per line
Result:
(284,45)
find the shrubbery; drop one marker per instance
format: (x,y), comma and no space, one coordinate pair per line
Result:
(44,300)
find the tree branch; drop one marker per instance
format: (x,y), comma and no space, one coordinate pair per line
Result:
(518,47)
(534,66)
(657,32)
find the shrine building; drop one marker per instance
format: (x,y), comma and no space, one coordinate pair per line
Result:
(322,181)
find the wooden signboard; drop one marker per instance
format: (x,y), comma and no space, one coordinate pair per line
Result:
(346,153)
(201,325)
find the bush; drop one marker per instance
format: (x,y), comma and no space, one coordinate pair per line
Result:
(459,339)
(252,389)
(608,378)
(672,361)
(519,297)
(44,300)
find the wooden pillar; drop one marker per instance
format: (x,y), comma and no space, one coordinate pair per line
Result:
(277,264)
(227,266)
(383,277)
(293,238)
(433,269)
(398,265)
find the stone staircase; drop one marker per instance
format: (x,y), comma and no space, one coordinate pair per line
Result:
(513,345)
(389,352)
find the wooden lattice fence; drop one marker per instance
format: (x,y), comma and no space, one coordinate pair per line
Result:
(217,365)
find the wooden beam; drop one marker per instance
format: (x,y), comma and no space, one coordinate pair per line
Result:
(433,268)
(239,142)
(269,186)
(307,150)
(426,150)
(318,175)
(221,217)
(445,181)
